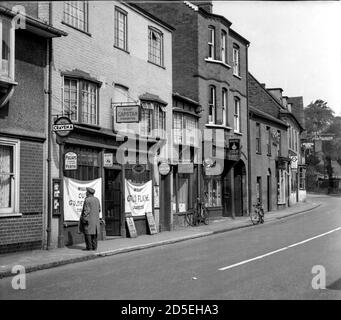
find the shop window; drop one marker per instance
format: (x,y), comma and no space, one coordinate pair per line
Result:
(121,29)
(281,186)
(155,45)
(213,192)
(302,171)
(9,176)
(80,100)
(153,118)
(259,189)
(76,14)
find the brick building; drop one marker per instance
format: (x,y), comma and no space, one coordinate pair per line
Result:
(210,68)
(115,55)
(24,43)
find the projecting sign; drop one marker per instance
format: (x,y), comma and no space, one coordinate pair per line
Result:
(108,159)
(70,161)
(127,114)
(293,162)
(164,168)
(62,126)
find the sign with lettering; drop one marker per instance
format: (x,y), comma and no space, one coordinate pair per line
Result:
(70,161)
(151,223)
(127,114)
(131,226)
(185,167)
(108,159)
(164,168)
(138,198)
(293,162)
(62,126)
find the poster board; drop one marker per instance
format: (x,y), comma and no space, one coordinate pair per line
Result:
(131,227)
(151,223)
(138,198)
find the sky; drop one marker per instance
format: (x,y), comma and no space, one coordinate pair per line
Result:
(295,46)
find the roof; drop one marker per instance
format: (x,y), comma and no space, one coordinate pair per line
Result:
(266,116)
(35,26)
(152,97)
(297,108)
(184,98)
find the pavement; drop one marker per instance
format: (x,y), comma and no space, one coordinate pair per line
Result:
(44,259)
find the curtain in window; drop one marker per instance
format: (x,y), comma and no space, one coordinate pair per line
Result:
(6,171)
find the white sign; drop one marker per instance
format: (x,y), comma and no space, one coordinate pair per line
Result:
(74,195)
(293,162)
(62,127)
(138,198)
(108,160)
(70,161)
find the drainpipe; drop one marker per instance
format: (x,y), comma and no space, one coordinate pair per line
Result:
(248,133)
(49,112)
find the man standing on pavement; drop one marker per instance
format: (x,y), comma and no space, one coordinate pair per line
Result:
(89,220)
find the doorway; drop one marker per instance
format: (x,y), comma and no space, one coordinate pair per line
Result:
(268,185)
(113,202)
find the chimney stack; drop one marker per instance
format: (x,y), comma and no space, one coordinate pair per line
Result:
(205,5)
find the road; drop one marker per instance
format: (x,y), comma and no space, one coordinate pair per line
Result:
(220,267)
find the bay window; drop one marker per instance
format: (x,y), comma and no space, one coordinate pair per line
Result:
(212,105)
(153,118)
(213,192)
(7,35)
(224,106)
(223,47)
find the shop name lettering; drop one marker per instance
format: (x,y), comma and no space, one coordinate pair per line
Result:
(138,198)
(78,203)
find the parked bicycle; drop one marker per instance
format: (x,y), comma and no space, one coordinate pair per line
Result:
(199,214)
(257,216)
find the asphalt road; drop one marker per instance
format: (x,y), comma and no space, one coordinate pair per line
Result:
(222,266)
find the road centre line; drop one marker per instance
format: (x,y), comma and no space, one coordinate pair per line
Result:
(278,250)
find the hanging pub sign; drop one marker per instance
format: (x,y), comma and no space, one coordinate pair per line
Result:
(70,161)
(164,168)
(62,126)
(234,150)
(293,162)
(127,114)
(138,168)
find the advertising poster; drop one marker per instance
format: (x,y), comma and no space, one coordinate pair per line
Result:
(138,198)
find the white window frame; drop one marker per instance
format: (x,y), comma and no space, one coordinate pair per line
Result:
(15,181)
(282,176)
(213,105)
(209,190)
(236,123)
(224,105)
(236,60)
(11,59)
(152,49)
(211,43)
(74,20)
(118,12)
(224,46)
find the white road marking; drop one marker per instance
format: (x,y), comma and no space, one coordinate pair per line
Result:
(279,250)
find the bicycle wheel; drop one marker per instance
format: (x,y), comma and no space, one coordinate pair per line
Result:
(189,218)
(205,216)
(254,217)
(261,216)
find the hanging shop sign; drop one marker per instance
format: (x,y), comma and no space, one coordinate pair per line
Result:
(151,223)
(164,168)
(62,126)
(70,161)
(127,114)
(131,226)
(108,159)
(74,195)
(138,198)
(234,150)
(57,197)
(185,167)
(293,162)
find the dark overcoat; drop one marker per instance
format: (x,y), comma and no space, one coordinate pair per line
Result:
(89,220)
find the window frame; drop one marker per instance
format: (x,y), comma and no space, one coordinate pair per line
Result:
(209,186)
(15,180)
(150,56)
(79,95)
(268,142)
(224,106)
(236,60)
(70,23)
(212,104)
(223,46)
(119,11)
(211,43)
(151,129)
(258,138)
(236,116)
(10,72)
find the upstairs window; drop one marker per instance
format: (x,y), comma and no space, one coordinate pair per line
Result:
(7,35)
(76,14)
(155,44)
(80,100)
(279,140)
(121,29)
(236,60)
(223,46)
(212,105)
(185,129)
(236,114)
(224,106)
(211,41)
(268,142)
(258,138)
(153,119)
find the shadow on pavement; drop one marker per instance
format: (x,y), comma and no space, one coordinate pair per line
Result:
(336,285)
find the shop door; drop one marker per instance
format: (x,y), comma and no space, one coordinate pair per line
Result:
(238,195)
(269,192)
(112,202)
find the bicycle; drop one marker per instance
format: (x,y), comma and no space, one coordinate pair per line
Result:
(258,215)
(197,215)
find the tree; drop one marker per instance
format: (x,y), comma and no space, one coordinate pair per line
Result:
(318,116)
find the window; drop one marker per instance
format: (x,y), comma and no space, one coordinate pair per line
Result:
(224,106)
(80,100)
(259,189)
(302,171)
(185,129)
(236,115)
(258,138)
(7,36)
(121,29)
(212,105)
(236,60)
(296,141)
(213,191)
(268,142)
(289,137)
(155,42)
(281,187)
(211,42)
(223,47)
(76,14)
(9,176)
(153,118)
(279,142)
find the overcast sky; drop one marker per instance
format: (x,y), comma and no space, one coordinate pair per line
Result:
(294,45)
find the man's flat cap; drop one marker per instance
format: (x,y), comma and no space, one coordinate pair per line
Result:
(90,190)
